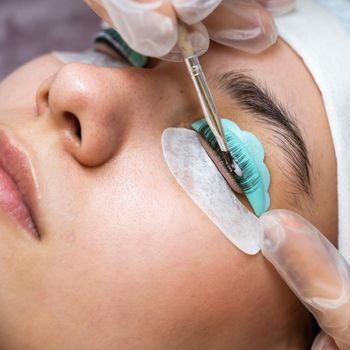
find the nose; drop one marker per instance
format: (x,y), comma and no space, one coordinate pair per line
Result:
(96,108)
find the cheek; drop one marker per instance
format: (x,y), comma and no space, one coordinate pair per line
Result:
(174,271)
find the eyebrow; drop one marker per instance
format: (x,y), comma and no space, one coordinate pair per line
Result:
(262,105)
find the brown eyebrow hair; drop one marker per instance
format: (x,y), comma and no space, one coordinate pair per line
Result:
(262,105)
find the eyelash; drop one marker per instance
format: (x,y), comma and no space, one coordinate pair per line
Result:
(256,178)
(111,40)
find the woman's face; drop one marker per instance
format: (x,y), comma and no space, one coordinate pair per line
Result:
(125,259)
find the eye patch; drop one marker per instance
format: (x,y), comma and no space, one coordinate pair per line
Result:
(201,180)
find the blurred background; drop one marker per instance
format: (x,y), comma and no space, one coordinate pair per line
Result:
(29,28)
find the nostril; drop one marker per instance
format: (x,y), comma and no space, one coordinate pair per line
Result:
(73,124)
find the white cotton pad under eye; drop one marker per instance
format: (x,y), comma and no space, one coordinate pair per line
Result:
(199,177)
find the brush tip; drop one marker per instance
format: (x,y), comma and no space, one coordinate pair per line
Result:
(183,41)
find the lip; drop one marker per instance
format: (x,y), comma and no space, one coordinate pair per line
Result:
(18,194)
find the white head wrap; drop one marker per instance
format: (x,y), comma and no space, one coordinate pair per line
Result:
(319,35)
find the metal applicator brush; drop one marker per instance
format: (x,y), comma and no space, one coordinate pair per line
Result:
(206,98)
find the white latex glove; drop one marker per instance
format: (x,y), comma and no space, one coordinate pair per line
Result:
(314,270)
(150,26)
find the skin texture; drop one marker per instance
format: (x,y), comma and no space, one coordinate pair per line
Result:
(126,260)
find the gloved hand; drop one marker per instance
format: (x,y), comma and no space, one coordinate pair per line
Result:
(150,26)
(314,270)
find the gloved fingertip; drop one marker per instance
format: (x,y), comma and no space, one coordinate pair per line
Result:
(272,233)
(194,11)
(324,342)
(255,33)
(200,42)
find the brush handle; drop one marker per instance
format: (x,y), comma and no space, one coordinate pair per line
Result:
(206,99)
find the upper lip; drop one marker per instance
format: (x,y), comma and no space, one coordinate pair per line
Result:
(17,165)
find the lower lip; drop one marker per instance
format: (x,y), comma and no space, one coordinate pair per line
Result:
(11,202)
